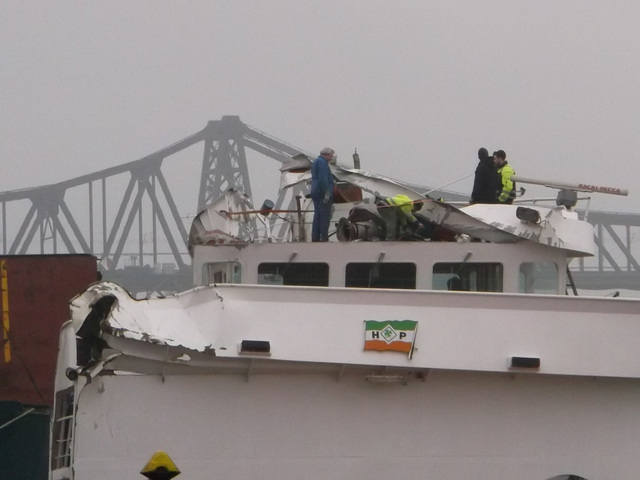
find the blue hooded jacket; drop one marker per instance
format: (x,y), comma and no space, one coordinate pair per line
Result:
(321,179)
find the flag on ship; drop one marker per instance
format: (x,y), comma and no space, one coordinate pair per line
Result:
(396,335)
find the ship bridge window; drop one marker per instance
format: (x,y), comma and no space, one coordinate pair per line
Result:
(468,277)
(381,275)
(221,272)
(539,277)
(305,274)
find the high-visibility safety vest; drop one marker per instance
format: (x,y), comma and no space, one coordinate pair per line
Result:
(508,192)
(405,204)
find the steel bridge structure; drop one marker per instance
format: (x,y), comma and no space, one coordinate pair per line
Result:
(134,217)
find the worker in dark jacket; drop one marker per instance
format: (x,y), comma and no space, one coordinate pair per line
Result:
(485,183)
(322,195)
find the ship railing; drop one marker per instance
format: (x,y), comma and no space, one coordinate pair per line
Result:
(64,427)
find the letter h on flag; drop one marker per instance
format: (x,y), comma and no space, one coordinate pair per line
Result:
(395,335)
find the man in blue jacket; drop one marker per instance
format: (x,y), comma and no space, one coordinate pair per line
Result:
(322,194)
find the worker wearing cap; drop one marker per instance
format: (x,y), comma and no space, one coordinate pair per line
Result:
(322,194)
(507,192)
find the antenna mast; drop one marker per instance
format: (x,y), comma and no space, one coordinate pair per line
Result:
(578,187)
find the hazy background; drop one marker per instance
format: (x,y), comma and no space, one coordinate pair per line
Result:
(416,86)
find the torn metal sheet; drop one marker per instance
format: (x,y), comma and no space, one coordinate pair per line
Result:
(165,322)
(228,220)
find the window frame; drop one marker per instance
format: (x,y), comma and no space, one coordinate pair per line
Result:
(405,280)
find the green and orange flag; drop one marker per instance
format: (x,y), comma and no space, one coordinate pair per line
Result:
(396,335)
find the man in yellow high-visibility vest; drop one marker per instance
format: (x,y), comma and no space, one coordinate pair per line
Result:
(397,213)
(507,192)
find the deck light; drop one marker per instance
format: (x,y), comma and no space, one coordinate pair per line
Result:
(266,208)
(255,346)
(525,362)
(528,215)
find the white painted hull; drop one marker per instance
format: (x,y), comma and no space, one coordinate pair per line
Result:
(319,426)
(306,409)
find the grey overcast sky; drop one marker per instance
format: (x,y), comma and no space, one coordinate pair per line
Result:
(417,86)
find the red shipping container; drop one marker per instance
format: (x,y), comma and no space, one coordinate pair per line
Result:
(36,290)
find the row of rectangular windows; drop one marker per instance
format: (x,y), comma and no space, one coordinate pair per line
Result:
(535,277)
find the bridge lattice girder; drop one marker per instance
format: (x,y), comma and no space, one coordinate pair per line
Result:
(109,221)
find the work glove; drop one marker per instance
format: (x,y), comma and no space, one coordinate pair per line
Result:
(327,197)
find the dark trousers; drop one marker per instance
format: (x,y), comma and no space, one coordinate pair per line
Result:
(321,220)
(393,219)
(392,222)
